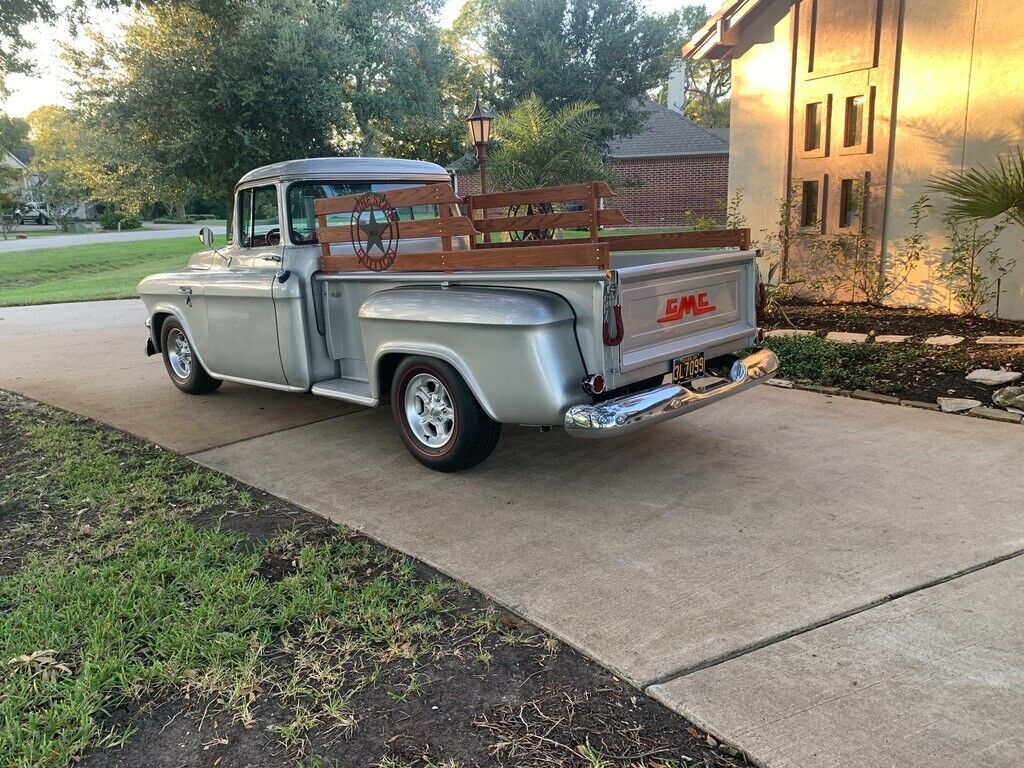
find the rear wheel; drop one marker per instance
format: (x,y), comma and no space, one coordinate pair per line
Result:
(182,365)
(438,418)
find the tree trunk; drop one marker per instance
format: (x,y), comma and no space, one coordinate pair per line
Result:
(230,209)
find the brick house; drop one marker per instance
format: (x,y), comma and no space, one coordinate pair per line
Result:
(855,104)
(671,172)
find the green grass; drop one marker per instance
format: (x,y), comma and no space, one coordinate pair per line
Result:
(869,367)
(88,272)
(131,597)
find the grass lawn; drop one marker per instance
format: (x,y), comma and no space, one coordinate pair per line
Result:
(86,272)
(152,611)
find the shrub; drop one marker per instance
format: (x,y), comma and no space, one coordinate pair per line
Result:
(110,219)
(131,222)
(850,366)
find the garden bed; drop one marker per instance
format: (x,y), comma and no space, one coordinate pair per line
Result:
(909,370)
(160,614)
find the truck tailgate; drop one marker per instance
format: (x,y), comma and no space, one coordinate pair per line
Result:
(695,303)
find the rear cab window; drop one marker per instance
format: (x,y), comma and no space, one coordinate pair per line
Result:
(302,222)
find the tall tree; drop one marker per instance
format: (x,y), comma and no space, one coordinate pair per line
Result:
(396,69)
(194,104)
(609,52)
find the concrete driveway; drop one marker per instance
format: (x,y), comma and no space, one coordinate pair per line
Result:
(819,581)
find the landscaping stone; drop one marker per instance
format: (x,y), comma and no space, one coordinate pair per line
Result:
(1009,397)
(957,404)
(1013,341)
(920,404)
(993,378)
(818,388)
(781,383)
(943,341)
(890,339)
(995,415)
(860,394)
(846,338)
(781,333)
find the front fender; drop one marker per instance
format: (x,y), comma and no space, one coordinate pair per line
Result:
(515,348)
(162,296)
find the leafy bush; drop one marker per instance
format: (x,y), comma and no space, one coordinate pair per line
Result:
(110,219)
(850,366)
(131,222)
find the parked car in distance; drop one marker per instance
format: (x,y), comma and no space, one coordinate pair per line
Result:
(34,212)
(361,279)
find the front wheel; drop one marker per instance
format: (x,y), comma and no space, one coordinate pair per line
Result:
(438,418)
(182,365)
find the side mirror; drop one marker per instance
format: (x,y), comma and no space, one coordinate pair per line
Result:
(206,237)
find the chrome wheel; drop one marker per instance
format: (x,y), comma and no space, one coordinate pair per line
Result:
(429,411)
(179,353)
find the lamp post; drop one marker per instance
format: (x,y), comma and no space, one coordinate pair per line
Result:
(480,134)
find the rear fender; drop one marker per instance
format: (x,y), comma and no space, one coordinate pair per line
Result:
(516,349)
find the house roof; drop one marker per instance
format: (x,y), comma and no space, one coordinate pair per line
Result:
(11,160)
(717,38)
(669,134)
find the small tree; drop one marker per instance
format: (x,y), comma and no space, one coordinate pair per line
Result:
(987,192)
(539,148)
(973,265)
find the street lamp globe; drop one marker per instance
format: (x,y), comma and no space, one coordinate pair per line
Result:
(480,125)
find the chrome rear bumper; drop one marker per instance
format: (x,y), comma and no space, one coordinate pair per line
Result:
(624,414)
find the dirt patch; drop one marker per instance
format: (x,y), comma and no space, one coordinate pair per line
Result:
(491,690)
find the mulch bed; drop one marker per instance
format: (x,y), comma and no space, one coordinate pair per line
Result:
(533,704)
(937,371)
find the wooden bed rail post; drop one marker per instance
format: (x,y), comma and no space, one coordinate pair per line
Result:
(595,204)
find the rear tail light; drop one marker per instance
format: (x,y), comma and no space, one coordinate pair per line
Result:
(594,385)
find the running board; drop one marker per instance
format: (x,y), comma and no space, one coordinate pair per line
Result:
(350,390)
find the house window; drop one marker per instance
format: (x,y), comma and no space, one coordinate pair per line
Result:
(853,133)
(851,199)
(812,127)
(809,204)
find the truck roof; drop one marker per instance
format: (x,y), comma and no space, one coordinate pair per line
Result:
(344,168)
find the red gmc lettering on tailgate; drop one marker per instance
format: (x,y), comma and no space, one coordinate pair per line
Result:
(695,304)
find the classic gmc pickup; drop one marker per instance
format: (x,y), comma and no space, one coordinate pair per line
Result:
(362,280)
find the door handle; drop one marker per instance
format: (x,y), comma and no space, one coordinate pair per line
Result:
(271,257)
(186,289)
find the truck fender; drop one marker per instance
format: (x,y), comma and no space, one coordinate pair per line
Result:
(157,315)
(515,348)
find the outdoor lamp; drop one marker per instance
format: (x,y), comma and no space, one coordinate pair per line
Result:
(480,133)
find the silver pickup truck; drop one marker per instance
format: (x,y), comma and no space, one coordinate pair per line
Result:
(457,351)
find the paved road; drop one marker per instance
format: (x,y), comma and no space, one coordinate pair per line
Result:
(820,581)
(58,241)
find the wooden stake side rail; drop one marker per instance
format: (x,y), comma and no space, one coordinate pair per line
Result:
(572,254)
(425,194)
(712,238)
(605,217)
(564,193)
(523,254)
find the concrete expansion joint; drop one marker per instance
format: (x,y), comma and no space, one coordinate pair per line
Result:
(779,637)
(247,438)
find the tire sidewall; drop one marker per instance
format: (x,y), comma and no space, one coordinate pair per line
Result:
(189,382)
(403,376)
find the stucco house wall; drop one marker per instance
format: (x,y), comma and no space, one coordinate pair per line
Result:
(947,84)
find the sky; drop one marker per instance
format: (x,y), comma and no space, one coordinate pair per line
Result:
(28,93)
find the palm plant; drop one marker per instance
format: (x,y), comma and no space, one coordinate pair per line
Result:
(541,148)
(986,192)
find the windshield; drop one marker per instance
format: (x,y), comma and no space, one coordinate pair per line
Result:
(302,219)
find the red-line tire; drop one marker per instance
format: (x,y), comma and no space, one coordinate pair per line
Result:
(438,418)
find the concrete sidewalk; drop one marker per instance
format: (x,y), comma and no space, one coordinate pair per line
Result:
(820,581)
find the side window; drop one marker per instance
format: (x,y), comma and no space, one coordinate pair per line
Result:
(259,220)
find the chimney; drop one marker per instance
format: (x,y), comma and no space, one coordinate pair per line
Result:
(676,97)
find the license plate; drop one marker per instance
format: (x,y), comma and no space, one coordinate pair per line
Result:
(689,367)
